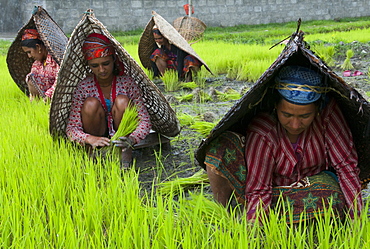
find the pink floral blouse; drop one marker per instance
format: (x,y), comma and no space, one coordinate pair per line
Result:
(45,75)
(87,88)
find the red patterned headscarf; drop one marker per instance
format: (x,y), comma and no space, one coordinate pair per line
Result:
(30,34)
(98,46)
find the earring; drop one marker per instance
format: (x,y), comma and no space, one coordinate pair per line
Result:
(39,51)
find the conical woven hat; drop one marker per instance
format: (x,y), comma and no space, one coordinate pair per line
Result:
(147,43)
(189,27)
(19,65)
(74,68)
(355,108)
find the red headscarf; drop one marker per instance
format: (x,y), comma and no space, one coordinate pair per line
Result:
(97,46)
(30,34)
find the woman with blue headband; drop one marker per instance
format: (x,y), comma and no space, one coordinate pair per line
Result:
(302,150)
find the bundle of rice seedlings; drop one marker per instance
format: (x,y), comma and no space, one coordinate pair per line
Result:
(180,184)
(203,127)
(200,96)
(226,96)
(185,98)
(171,81)
(186,119)
(330,56)
(188,85)
(200,78)
(129,122)
(216,95)
(347,65)
(231,94)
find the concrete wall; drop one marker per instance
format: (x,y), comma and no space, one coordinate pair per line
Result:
(134,14)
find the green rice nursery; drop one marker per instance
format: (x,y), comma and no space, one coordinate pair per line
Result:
(53,195)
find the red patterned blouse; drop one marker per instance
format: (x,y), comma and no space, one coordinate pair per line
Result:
(272,160)
(45,75)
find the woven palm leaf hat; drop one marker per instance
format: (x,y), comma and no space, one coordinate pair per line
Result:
(355,108)
(19,65)
(74,68)
(147,43)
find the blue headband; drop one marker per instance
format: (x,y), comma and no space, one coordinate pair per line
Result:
(299,85)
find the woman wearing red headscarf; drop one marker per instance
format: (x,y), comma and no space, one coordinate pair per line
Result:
(101,98)
(42,78)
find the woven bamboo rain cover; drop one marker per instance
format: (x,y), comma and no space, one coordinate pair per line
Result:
(355,108)
(19,65)
(74,69)
(147,43)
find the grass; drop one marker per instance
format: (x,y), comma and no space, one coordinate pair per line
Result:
(53,196)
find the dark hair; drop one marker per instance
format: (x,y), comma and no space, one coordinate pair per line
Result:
(156,31)
(31,43)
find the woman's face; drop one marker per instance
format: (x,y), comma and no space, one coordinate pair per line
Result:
(159,39)
(35,53)
(295,118)
(102,68)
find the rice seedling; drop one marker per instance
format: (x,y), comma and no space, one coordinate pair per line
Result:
(347,64)
(186,119)
(181,184)
(199,96)
(200,77)
(129,122)
(188,85)
(185,97)
(330,56)
(226,95)
(326,53)
(171,81)
(53,196)
(149,73)
(203,127)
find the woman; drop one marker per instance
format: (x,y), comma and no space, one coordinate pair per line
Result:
(170,57)
(42,78)
(303,150)
(100,99)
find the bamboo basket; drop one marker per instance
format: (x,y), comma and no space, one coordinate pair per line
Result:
(191,28)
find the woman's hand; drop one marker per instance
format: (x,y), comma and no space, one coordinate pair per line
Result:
(95,141)
(123,142)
